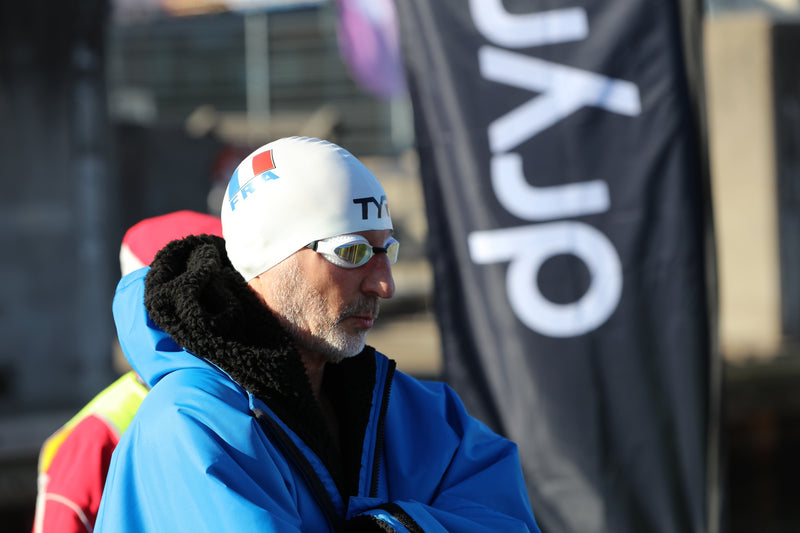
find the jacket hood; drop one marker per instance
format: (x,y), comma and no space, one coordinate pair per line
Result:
(191,308)
(196,303)
(196,308)
(135,330)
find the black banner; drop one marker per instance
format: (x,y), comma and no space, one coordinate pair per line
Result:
(565,181)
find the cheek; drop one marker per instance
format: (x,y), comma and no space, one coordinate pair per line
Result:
(342,280)
(341,288)
(338,286)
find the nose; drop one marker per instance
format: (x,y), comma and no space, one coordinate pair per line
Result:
(378,279)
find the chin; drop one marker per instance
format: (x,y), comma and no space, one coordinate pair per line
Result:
(345,350)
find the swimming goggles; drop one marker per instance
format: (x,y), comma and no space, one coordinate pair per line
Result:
(353,251)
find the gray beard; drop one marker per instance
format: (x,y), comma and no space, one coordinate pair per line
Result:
(302,313)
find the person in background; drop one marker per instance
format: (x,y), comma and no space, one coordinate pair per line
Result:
(268,412)
(73,462)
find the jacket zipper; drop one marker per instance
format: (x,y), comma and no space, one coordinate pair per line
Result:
(379,438)
(271,427)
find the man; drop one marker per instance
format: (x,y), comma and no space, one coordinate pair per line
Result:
(74,460)
(268,412)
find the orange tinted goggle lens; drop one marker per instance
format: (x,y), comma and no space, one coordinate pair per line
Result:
(359,253)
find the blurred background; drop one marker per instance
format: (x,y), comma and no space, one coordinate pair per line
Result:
(115,111)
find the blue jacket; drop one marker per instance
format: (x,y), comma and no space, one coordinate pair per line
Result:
(230,438)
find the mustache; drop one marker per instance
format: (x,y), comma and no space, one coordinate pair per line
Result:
(368,306)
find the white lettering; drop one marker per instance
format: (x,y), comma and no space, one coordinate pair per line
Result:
(527,248)
(532,29)
(564,90)
(561,91)
(524,200)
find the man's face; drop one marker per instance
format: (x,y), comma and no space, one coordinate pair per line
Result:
(328,309)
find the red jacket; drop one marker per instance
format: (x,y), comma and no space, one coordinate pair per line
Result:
(73,462)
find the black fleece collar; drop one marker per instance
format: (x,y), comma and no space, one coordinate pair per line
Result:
(196,296)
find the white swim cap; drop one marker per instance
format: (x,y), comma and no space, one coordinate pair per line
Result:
(291,192)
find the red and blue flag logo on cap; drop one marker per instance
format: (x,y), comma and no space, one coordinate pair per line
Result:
(263,162)
(262,165)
